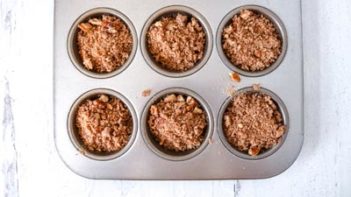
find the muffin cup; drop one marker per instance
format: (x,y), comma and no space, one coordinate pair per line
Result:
(171,11)
(73,50)
(154,145)
(282,109)
(74,133)
(276,22)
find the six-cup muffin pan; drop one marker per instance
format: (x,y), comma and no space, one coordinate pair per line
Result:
(208,82)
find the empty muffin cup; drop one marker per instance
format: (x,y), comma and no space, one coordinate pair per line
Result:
(251,40)
(176,41)
(176,124)
(102,43)
(252,120)
(102,124)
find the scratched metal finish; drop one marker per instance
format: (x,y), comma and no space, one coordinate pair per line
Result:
(210,82)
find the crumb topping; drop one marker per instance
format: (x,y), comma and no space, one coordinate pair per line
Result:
(104,124)
(177,122)
(251,41)
(253,123)
(104,43)
(177,43)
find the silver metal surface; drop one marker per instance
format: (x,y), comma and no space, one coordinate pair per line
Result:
(210,82)
(153,144)
(172,10)
(73,131)
(276,22)
(282,109)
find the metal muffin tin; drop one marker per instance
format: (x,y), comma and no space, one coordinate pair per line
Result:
(208,82)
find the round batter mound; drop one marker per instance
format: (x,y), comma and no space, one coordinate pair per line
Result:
(251,42)
(252,123)
(104,43)
(177,122)
(104,124)
(176,43)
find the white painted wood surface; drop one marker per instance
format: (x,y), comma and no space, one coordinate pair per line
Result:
(30,165)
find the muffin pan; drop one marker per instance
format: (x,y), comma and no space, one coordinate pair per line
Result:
(207,82)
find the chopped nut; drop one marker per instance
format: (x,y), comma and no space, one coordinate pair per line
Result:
(253,151)
(146,92)
(180,98)
(153,110)
(245,14)
(106,132)
(86,27)
(197,110)
(97,116)
(190,100)
(256,87)
(235,76)
(227,121)
(170,98)
(230,91)
(103,98)
(94,21)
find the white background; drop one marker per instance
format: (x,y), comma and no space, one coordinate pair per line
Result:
(30,165)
